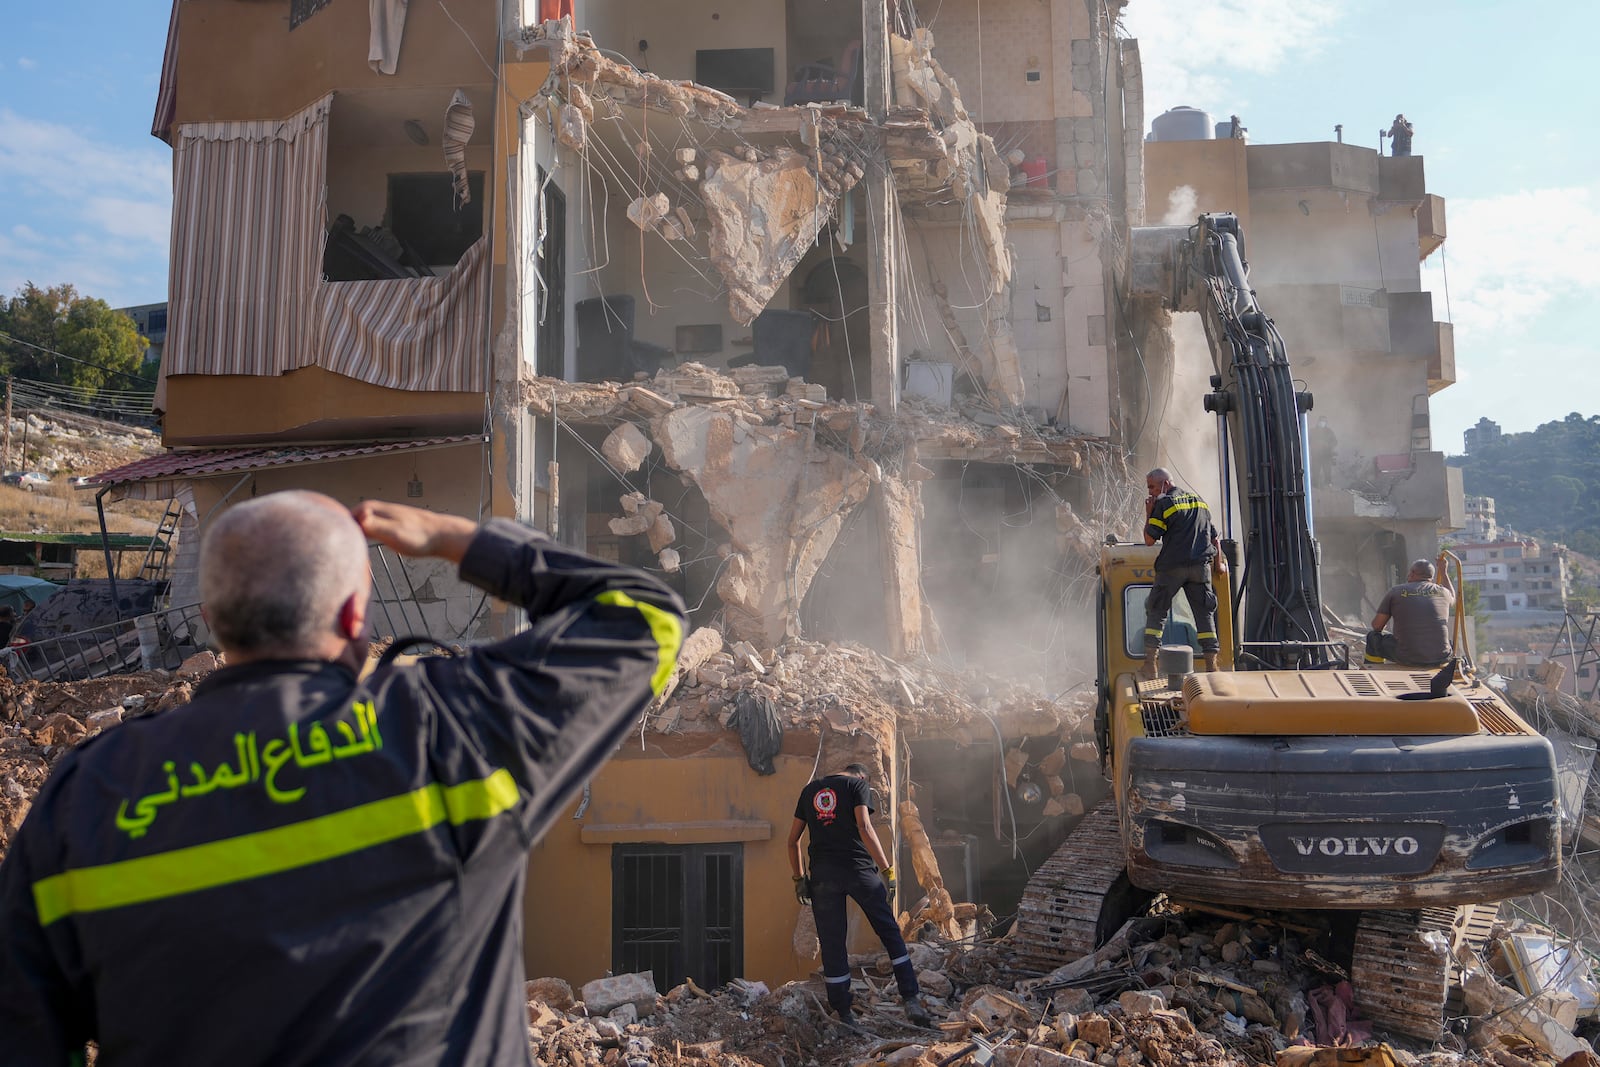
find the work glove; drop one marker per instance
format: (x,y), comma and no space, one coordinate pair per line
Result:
(802,889)
(887,873)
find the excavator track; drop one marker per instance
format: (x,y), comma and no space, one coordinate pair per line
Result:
(1075,895)
(1403,966)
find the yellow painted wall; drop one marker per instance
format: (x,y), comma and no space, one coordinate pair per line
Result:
(219,408)
(1215,170)
(676,30)
(568,902)
(358,179)
(241,60)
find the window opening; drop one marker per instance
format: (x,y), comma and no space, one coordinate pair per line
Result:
(1179,630)
(677,911)
(551,263)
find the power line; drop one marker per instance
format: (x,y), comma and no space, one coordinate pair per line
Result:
(73,359)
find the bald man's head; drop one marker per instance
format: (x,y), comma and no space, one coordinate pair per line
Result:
(276,573)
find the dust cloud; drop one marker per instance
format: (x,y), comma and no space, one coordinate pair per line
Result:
(1183,207)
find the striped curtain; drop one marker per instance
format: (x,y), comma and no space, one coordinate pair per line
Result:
(246,292)
(408,333)
(247,235)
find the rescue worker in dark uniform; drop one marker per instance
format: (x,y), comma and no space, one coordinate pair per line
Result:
(1182,523)
(302,867)
(848,862)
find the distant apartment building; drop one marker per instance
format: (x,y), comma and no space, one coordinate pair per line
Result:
(1484,433)
(1334,236)
(1516,575)
(151,319)
(1481,525)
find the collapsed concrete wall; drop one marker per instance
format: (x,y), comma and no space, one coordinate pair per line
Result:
(764,214)
(782,500)
(781,473)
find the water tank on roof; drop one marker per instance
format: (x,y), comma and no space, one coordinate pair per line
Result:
(1182,124)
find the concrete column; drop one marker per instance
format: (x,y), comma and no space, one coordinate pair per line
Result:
(875,61)
(878,189)
(899,509)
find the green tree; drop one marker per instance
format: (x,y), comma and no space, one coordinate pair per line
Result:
(1472,606)
(1545,483)
(102,346)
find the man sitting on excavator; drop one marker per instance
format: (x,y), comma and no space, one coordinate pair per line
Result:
(1181,521)
(1420,608)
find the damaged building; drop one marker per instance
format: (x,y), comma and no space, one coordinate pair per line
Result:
(810,306)
(1335,236)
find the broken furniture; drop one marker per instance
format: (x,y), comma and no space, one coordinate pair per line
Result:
(822,83)
(606,348)
(783,339)
(368,254)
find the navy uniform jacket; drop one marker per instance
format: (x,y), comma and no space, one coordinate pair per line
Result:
(1181,521)
(300,868)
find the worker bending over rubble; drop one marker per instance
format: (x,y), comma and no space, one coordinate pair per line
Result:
(300,867)
(848,861)
(1420,608)
(1182,523)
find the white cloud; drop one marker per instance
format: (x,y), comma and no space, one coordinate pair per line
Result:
(1521,273)
(1510,257)
(1191,48)
(49,157)
(139,220)
(27,64)
(81,211)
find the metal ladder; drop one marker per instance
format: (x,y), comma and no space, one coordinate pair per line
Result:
(159,555)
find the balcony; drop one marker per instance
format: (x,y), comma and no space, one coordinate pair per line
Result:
(1413,332)
(1433,492)
(1431,231)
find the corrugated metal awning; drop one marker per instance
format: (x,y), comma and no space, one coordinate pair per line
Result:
(211,462)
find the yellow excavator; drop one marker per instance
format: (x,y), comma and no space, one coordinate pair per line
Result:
(1409,800)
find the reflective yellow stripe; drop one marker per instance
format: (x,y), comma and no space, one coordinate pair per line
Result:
(1188,505)
(1152,633)
(284,848)
(1157,523)
(1208,633)
(1373,659)
(664,627)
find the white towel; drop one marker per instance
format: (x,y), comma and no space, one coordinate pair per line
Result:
(388,26)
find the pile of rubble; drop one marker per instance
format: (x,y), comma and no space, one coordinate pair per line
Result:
(1176,989)
(39,721)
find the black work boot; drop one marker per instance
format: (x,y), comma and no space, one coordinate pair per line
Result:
(917,1012)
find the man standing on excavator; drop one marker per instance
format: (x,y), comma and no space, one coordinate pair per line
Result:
(1182,523)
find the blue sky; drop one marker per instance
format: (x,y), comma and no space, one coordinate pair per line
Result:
(1493,89)
(85,191)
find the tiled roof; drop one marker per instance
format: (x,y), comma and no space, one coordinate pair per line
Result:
(202,463)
